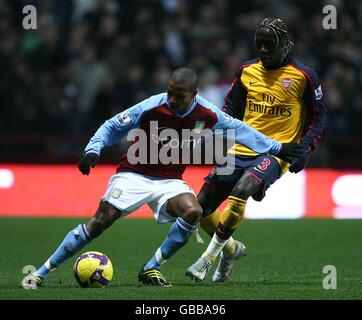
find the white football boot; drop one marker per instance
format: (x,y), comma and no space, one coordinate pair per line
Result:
(199,269)
(226,264)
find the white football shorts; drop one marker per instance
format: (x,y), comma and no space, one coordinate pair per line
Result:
(127,191)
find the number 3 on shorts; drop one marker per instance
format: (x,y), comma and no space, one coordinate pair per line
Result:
(264,165)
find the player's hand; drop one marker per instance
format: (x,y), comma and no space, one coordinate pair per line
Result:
(89,160)
(300,163)
(291,151)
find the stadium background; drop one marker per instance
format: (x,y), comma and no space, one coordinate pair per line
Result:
(90,59)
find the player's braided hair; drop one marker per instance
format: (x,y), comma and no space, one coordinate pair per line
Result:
(280,30)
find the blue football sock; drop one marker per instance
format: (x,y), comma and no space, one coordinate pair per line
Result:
(72,243)
(177,237)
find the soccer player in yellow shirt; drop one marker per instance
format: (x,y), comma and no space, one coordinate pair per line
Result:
(280,97)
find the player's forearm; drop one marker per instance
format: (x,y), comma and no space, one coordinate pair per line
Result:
(315,127)
(316,111)
(107,135)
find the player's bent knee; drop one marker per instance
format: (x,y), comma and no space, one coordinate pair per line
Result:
(246,187)
(96,226)
(112,214)
(104,218)
(192,214)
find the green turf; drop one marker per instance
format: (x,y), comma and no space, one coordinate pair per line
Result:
(284,260)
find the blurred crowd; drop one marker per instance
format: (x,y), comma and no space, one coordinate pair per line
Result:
(90,59)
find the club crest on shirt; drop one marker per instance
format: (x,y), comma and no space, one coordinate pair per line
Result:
(286,83)
(199,126)
(116,193)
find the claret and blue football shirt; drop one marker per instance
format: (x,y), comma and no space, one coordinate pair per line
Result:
(201,115)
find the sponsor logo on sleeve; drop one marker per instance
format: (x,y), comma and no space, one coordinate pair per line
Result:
(228,117)
(318,93)
(124,119)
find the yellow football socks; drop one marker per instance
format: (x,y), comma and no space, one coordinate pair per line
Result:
(209,225)
(233,213)
(230,219)
(210,222)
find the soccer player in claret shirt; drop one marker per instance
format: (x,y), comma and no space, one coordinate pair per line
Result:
(280,97)
(156,184)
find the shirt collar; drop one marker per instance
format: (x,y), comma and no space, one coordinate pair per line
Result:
(189,110)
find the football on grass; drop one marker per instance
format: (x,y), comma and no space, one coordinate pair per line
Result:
(93,270)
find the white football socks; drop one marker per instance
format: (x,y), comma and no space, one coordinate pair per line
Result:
(214,248)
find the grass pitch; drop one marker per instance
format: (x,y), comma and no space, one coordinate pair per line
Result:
(285,260)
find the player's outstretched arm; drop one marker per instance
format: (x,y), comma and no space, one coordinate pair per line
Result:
(315,120)
(88,160)
(116,128)
(257,141)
